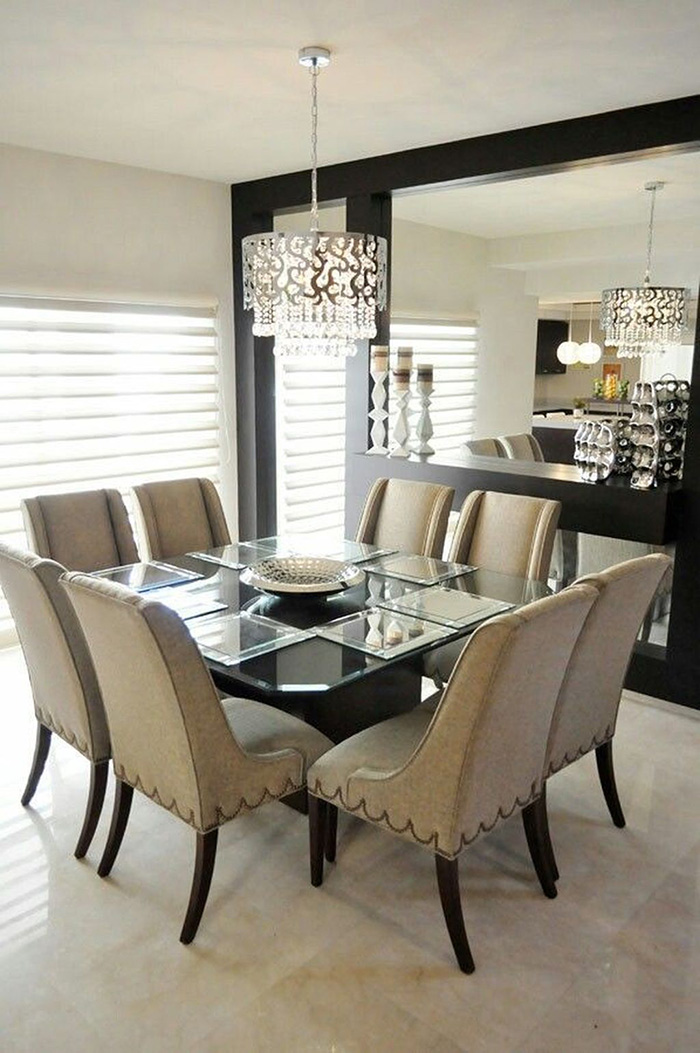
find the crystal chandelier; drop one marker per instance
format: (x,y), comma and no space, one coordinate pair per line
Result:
(647,319)
(315,293)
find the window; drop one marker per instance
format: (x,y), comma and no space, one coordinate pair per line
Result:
(310,426)
(96,394)
(453,352)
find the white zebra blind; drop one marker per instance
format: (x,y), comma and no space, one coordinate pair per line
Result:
(452,350)
(100,394)
(310,434)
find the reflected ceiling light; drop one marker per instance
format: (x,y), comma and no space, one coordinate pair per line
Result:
(567,352)
(316,293)
(590,352)
(646,319)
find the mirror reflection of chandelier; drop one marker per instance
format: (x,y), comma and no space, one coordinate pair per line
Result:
(316,293)
(646,319)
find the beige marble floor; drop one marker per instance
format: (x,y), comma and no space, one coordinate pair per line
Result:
(363,963)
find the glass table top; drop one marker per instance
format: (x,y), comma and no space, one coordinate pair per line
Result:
(315,662)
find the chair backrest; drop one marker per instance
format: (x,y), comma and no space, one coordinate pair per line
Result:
(406,515)
(89,530)
(170,737)
(595,553)
(67,698)
(481,756)
(523,447)
(178,516)
(506,533)
(483,448)
(586,711)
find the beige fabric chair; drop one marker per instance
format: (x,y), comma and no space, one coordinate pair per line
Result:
(506,533)
(67,699)
(483,448)
(586,712)
(202,758)
(523,447)
(178,516)
(443,779)
(82,531)
(406,515)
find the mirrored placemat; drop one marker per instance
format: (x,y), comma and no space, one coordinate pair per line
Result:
(422,569)
(142,577)
(447,606)
(385,634)
(190,604)
(235,637)
(325,547)
(236,556)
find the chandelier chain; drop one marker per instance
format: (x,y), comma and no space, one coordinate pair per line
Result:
(314,147)
(650,235)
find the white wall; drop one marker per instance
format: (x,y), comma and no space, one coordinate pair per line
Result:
(443,274)
(86,229)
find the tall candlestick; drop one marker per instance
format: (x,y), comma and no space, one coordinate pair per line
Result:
(378,367)
(402,431)
(424,426)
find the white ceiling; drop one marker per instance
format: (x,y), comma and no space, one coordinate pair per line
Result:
(578,199)
(211,88)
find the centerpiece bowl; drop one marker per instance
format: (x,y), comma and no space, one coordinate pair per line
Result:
(301,576)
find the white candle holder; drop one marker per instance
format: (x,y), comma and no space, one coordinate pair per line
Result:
(402,429)
(378,414)
(424,426)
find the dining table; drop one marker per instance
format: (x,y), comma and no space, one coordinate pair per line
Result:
(344,660)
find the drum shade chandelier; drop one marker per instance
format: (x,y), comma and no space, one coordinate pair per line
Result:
(315,293)
(646,319)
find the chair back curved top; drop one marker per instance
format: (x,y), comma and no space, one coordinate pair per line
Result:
(89,530)
(67,697)
(482,754)
(180,515)
(586,711)
(170,736)
(507,533)
(406,515)
(523,447)
(483,448)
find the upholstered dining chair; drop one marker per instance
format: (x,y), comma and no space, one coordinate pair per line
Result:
(585,716)
(506,533)
(180,515)
(67,699)
(483,448)
(89,530)
(205,759)
(406,515)
(522,447)
(443,779)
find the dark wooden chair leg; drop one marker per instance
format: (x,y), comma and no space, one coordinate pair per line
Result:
(318,809)
(41,752)
(201,881)
(448,885)
(331,832)
(535,823)
(606,774)
(297,800)
(98,785)
(547,845)
(123,794)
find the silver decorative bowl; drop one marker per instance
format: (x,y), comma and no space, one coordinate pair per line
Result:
(301,576)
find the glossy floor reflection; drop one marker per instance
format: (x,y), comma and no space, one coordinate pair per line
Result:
(363,963)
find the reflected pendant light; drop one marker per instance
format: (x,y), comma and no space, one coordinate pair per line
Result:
(646,319)
(590,352)
(567,352)
(316,293)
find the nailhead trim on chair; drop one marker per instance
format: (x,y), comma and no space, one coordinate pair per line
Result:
(223,817)
(483,828)
(581,752)
(67,736)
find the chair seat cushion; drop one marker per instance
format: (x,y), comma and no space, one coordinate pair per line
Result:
(263,729)
(380,749)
